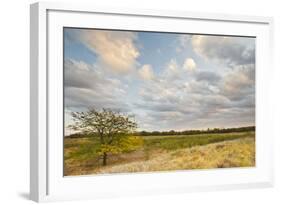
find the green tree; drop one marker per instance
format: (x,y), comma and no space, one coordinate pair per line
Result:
(113,129)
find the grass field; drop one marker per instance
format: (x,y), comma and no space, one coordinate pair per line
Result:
(162,153)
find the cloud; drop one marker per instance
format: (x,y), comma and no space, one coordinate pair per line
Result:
(208,76)
(189,64)
(172,66)
(172,70)
(79,74)
(203,99)
(168,97)
(86,87)
(239,83)
(115,50)
(231,51)
(82,99)
(146,72)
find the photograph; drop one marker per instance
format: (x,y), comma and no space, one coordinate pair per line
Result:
(150,101)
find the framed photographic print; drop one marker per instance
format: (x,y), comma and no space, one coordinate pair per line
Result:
(128,102)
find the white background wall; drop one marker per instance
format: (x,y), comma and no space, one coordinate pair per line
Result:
(14,101)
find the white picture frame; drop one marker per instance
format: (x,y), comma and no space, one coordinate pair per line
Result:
(46,179)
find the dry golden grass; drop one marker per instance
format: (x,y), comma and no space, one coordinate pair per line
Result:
(234,153)
(163,153)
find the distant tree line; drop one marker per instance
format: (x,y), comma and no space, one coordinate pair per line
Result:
(194,132)
(173,132)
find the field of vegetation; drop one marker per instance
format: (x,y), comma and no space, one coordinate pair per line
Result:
(162,153)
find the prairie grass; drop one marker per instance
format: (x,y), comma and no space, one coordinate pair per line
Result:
(163,153)
(235,153)
(183,141)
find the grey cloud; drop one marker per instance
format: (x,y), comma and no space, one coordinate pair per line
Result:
(81,99)
(78,74)
(202,87)
(209,99)
(210,77)
(231,51)
(86,87)
(156,106)
(239,83)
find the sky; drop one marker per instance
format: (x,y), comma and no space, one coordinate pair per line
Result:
(168,81)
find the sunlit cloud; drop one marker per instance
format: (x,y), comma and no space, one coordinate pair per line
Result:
(146,72)
(189,64)
(115,50)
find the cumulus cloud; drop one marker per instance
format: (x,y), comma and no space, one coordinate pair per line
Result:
(146,72)
(189,64)
(205,99)
(86,87)
(239,83)
(172,70)
(116,50)
(80,74)
(231,51)
(172,66)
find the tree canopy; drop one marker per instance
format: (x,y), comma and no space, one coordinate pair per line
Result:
(112,128)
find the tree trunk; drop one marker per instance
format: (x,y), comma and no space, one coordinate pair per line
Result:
(104,159)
